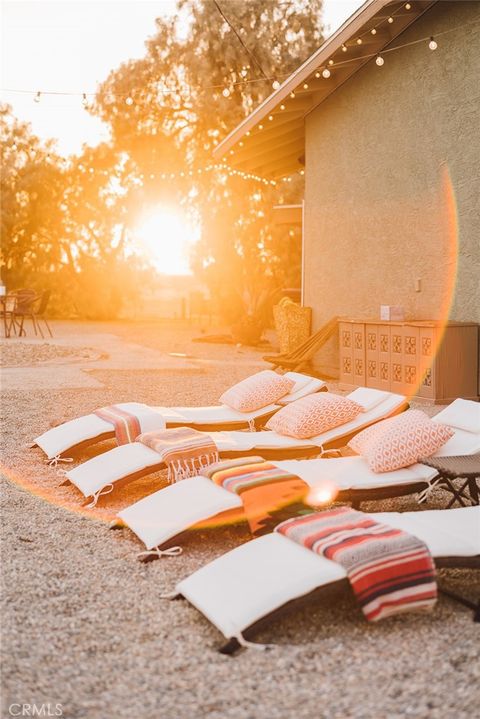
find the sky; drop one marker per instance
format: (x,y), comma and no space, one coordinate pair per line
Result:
(71,46)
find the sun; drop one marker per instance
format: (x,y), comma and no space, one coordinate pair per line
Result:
(166,237)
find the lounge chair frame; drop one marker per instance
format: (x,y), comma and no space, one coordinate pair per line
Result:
(301,357)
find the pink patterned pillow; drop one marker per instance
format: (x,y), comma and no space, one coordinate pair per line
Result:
(400,441)
(257,391)
(313,415)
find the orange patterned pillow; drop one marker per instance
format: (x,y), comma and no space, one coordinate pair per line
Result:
(400,441)
(313,415)
(257,391)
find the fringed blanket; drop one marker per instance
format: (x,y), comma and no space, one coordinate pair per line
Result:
(389,570)
(126,425)
(185,451)
(265,490)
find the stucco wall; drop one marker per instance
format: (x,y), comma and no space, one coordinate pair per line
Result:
(385,156)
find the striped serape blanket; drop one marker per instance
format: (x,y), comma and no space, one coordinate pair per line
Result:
(265,490)
(185,451)
(126,425)
(390,571)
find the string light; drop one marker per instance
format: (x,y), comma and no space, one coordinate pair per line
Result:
(282,107)
(408,6)
(305,85)
(379,60)
(110,98)
(326,73)
(270,117)
(317,74)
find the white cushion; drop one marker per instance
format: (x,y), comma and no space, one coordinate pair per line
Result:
(109,467)
(169,511)
(304,385)
(367,397)
(462,414)
(251,581)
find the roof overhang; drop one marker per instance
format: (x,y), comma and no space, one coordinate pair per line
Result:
(270,142)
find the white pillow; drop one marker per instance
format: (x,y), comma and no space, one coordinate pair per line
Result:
(367,397)
(461,414)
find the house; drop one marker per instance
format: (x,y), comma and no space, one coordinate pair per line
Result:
(384,121)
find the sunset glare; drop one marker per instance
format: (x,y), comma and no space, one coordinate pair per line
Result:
(165,238)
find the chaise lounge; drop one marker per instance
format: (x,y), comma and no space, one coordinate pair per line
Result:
(160,518)
(250,586)
(82,432)
(132,461)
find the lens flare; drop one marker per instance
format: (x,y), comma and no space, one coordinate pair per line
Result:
(324,494)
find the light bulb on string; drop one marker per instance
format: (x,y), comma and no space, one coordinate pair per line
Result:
(37,97)
(379,60)
(292,95)
(330,62)
(275,84)
(317,74)
(282,107)
(326,73)
(226,92)
(373,31)
(408,6)
(432,44)
(359,40)
(129,100)
(390,20)
(344,48)
(305,85)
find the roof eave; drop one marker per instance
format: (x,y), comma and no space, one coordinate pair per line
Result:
(344,32)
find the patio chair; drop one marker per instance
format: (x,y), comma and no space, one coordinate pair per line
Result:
(132,461)
(250,586)
(160,518)
(301,357)
(33,306)
(8,306)
(26,299)
(85,431)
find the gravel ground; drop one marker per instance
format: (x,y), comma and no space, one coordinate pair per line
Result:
(84,626)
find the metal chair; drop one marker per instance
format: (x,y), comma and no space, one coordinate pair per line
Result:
(33,306)
(8,308)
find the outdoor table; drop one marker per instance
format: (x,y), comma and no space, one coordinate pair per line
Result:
(466,468)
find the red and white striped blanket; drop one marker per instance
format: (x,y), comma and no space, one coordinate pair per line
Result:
(266,491)
(390,571)
(126,425)
(185,451)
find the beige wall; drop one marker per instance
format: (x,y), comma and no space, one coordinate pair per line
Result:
(378,202)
